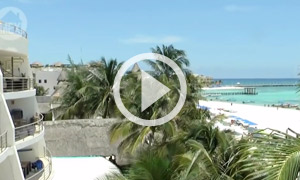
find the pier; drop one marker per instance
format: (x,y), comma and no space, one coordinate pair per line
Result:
(267,85)
(245,91)
(241,89)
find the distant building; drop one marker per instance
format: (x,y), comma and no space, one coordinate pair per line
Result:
(58,64)
(47,79)
(49,76)
(36,65)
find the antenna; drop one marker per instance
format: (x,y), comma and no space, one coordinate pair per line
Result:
(80,53)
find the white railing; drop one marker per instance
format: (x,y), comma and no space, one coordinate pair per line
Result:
(12,29)
(44,173)
(13,84)
(3,141)
(31,129)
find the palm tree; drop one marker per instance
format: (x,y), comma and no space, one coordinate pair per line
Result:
(41,91)
(101,80)
(148,165)
(210,153)
(73,99)
(134,135)
(272,156)
(178,56)
(203,152)
(89,90)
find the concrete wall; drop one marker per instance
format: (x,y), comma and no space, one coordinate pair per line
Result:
(80,137)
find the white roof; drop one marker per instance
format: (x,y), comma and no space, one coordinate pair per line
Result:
(81,168)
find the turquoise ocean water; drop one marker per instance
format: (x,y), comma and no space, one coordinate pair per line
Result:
(266,95)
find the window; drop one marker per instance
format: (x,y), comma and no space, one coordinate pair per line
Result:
(40,81)
(45,80)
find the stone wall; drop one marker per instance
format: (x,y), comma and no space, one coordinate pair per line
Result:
(79,137)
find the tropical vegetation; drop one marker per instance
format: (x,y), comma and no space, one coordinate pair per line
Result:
(190,147)
(41,91)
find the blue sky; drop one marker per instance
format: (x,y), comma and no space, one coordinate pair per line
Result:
(222,38)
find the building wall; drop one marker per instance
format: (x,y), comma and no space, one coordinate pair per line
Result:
(80,138)
(13,43)
(35,151)
(28,111)
(6,123)
(5,169)
(50,77)
(10,169)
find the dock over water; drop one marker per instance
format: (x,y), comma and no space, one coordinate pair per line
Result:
(243,91)
(268,85)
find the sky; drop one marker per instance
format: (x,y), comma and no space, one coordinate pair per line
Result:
(222,38)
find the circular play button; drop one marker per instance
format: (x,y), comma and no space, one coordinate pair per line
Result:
(152,89)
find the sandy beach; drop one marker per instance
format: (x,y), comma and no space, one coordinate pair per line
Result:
(266,117)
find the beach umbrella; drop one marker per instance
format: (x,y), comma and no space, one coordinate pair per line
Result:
(244,120)
(203,107)
(249,122)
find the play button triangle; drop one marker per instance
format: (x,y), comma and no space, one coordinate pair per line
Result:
(152,90)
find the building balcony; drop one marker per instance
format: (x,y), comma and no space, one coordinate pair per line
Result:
(28,129)
(15,84)
(39,173)
(13,40)
(3,142)
(18,87)
(7,27)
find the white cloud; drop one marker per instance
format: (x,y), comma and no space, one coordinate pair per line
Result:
(238,8)
(141,39)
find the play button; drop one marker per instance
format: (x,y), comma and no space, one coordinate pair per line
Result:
(152,89)
(149,86)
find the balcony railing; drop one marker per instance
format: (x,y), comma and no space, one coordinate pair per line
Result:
(12,29)
(13,84)
(3,141)
(44,173)
(31,129)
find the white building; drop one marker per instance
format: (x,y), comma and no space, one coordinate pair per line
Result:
(21,126)
(47,77)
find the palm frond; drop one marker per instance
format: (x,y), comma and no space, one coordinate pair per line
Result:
(272,157)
